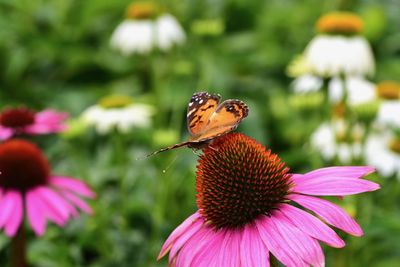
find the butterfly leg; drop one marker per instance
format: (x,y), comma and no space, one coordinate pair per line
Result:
(196,151)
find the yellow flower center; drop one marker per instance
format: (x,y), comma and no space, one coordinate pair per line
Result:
(141,10)
(115,101)
(394,145)
(339,110)
(388,90)
(340,23)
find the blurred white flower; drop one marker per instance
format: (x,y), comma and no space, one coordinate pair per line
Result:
(389,109)
(144,35)
(389,113)
(382,152)
(133,36)
(122,118)
(169,32)
(357,89)
(307,83)
(330,141)
(333,55)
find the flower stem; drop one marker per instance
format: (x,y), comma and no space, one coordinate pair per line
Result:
(18,249)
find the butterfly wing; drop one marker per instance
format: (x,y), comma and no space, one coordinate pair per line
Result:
(224,119)
(200,108)
(207,120)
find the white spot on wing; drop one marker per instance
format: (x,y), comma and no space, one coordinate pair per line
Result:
(193,110)
(201,101)
(190,104)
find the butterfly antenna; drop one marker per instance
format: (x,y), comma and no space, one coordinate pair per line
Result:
(154,153)
(170,164)
(164,149)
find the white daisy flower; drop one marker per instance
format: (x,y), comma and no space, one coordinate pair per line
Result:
(145,29)
(339,49)
(389,110)
(134,36)
(389,113)
(332,140)
(357,89)
(118,112)
(383,152)
(169,32)
(307,83)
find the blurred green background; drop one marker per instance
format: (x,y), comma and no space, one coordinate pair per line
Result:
(57,54)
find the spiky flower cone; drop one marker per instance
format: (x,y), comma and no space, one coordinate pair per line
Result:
(238,179)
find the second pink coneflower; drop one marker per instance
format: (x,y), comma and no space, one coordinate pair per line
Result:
(17,121)
(246,197)
(27,187)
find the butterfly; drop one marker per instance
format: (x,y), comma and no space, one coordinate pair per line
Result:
(208,119)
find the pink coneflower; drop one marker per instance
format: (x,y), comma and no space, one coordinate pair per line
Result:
(246,215)
(17,121)
(28,188)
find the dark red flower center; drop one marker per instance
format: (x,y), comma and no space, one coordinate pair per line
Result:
(238,180)
(17,117)
(22,165)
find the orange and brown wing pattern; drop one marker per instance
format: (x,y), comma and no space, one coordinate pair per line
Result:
(224,119)
(207,119)
(200,108)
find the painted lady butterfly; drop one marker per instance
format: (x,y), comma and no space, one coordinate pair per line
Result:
(208,119)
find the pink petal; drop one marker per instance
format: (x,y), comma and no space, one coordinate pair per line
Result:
(224,256)
(182,239)
(331,186)
(56,202)
(78,202)
(300,243)
(329,212)
(181,229)
(194,246)
(5,133)
(311,225)
(47,121)
(272,239)
(227,248)
(208,256)
(50,116)
(11,212)
(253,252)
(35,212)
(47,208)
(232,250)
(73,185)
(6,207)
(342,171)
